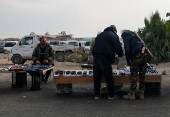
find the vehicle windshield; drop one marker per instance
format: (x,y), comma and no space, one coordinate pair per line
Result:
(9,44)
(73,43)
(62,43)
(87,44)
(51,42)
(1,44)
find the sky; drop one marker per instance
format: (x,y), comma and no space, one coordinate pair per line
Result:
(82,18)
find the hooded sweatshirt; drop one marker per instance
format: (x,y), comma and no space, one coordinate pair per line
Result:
(107,44)
(131,45)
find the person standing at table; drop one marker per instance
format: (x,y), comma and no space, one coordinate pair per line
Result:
(43,54)
(106,45)
(136,57)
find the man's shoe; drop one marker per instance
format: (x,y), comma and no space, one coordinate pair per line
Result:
(113,97)
(97,97)
(45,80)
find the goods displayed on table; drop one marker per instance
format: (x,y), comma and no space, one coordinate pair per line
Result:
(74,73)
(6,69)
(37,67)
(151,70)
(20,67)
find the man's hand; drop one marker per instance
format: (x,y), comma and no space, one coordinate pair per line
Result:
(38,62)
(46,61)
(143,50)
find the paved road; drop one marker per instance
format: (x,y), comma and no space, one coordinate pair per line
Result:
(21,102)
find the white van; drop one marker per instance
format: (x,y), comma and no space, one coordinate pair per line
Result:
(63,42)
(9,44)
(122,44)
(76,43)
(87,46)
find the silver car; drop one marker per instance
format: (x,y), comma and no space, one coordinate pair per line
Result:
(2,50)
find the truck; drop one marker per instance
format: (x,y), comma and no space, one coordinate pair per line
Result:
(2,50)
(23,50)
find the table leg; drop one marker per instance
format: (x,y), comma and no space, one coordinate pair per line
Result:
(36,81)
(19,80)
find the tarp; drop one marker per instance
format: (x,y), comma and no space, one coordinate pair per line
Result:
(87,39)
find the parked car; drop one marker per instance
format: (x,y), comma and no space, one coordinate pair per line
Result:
(63,42)
(23,50)
(122,44)
(2,50)
(9,44)
(77,43)
(53,42)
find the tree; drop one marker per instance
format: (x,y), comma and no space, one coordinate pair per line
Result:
(156,35)
(32,33)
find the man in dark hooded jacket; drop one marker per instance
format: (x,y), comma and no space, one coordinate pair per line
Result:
(106,45)
(136,57)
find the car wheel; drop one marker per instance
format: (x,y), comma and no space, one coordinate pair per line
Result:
(60,57)
(16,59)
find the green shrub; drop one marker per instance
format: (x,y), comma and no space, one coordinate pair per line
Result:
(92,44)
(78,58)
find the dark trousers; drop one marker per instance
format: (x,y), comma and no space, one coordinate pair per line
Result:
(102,67)
(47,74)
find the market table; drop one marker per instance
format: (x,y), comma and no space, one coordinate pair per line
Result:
(19,78)
(64,83)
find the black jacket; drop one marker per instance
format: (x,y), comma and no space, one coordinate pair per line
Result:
(107,44)
(131,45)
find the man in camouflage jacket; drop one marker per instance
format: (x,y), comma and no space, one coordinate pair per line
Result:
(136,57)
(43,54)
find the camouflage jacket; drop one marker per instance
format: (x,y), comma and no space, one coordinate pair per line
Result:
(49,54)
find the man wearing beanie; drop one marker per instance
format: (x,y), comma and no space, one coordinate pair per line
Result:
(106,45)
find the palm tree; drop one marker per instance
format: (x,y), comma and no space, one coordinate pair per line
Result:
(156,35)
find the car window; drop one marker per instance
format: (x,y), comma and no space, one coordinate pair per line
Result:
(87,44)
(9,44)
(63,42)
(51,43)
(1,44)
(27,41)
(73,43)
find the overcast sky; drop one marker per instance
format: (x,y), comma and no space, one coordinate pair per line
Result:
(82,18)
